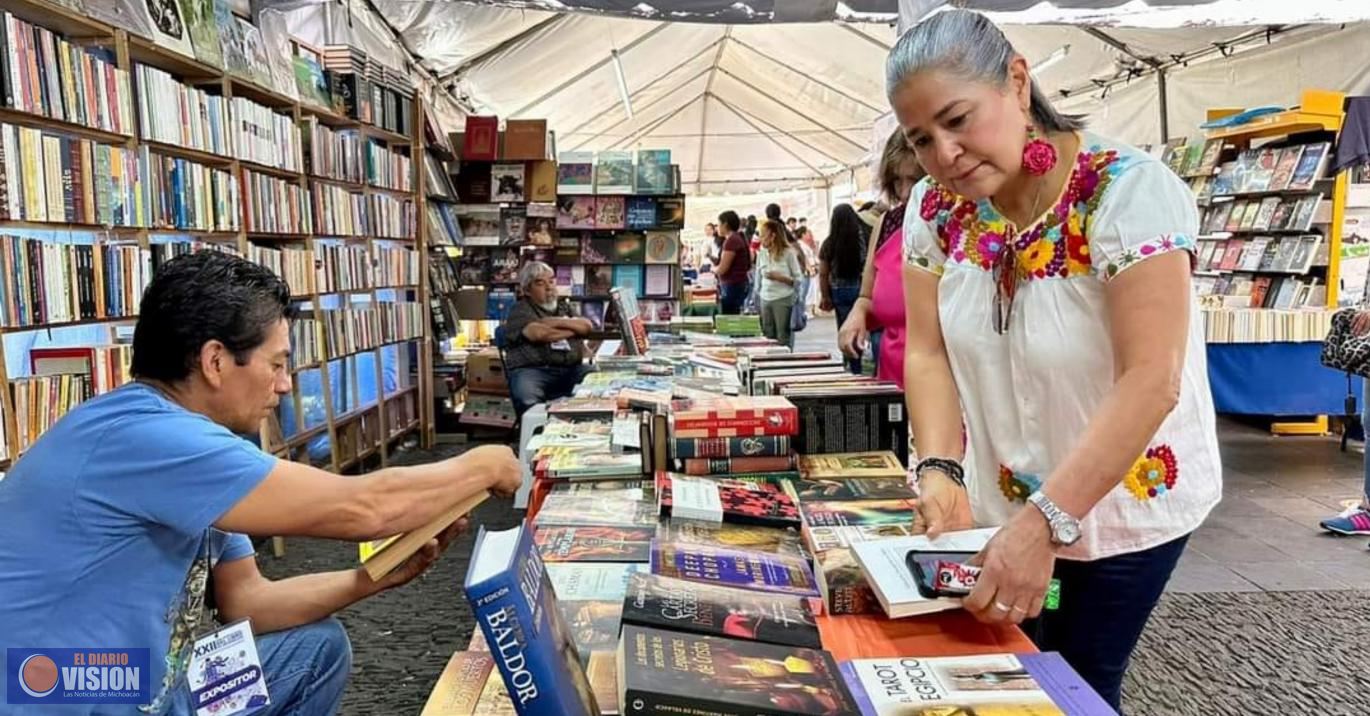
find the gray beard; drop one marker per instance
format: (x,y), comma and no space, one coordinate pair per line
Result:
(548,306)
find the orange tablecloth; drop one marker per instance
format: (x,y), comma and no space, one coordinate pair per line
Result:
(954,633)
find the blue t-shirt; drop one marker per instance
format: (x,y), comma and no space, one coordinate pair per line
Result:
(102,518)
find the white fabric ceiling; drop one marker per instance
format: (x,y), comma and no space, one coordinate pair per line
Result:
(761,104)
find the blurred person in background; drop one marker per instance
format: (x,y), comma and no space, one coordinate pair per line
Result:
(877,317)
(778,266)
(840,263)
(734,265)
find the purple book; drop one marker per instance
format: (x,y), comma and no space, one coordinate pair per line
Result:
(737,568)
(1013,683)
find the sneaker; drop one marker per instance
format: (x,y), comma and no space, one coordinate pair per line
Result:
(1354,521)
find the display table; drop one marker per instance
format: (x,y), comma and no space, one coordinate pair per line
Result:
(1276,379)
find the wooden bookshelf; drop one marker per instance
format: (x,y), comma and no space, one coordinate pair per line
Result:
(127,50)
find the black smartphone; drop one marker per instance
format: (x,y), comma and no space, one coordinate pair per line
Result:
(923,565)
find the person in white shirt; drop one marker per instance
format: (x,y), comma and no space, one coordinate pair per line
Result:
(1055,366)
(777,263)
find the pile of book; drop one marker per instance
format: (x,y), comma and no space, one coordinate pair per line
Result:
(681,552)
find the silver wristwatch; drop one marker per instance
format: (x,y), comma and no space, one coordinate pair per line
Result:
(1065,530)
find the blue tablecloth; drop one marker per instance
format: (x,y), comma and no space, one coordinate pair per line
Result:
(1277,379)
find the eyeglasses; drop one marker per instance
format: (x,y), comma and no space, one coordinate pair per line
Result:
(1005,285)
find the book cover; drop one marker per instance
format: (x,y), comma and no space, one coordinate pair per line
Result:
(614,172)
(630,321)
(512,599)
(654,171)
(481,141)
(664,672)
(754,502)
(728,535)
(858,512)
(659,280)
(749,415)
(594,625)
(1284,168)
(542,181)
(833,489)
(596,250)
(735,465)
(1023,684)
(629,248)
(1312,164)
(460,684)
(525,139)
(592,581)
(507,183)
(852,465)
(575,173)
(680,605)
(670,213)
(611,509)
(480,225)
(541,224)
(609,212)
(883,563)
(663,247)
(576,212)
(641,212)
(629,279)
(745,570)
(595,543)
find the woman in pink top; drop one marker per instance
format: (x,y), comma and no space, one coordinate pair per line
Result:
(878,315)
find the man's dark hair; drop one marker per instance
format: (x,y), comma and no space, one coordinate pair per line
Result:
(730,220)
(200,297)
(773,211)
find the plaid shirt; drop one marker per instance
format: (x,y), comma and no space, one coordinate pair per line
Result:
(520,352)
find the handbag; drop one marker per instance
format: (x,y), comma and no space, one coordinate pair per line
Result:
(1343,350)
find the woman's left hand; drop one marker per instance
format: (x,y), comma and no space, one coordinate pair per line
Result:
(1016,570)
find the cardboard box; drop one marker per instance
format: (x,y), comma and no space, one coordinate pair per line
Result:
(488,410)
(485,373)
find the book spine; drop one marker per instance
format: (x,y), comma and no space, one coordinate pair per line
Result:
(729,466)
(760,446)
(641,702)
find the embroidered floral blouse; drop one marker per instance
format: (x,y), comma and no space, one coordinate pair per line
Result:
(1028,394)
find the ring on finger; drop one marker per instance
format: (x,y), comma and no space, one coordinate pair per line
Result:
(1001,606)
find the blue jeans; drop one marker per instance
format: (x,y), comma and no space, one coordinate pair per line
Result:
(875,348)
(1365,428)
(843,298)
(538,384)
(1104,606)
(306,671)
(731,296)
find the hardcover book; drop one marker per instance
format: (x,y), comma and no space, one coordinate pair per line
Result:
(663,247)
(851,465)
(863,512)
(833,489)
(735,465)
(664,672)
(752,538)
(670,213)
(1027,684)
(576,212)
(629,247)
(641,212)
(512,599)
(680,605)
(654,171)
(459,687)
(759,446)
(614,172)
(736,416)
(609,212)
(575,173)
(507,183)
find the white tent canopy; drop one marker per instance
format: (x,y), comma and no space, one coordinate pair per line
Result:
(759,102)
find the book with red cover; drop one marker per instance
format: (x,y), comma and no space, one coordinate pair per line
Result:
(745,502)
(481,142)
(730,416)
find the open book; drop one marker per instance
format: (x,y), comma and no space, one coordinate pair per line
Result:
(380,557)
(884,564)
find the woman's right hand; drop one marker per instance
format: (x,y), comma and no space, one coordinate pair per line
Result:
(853,336)
(943,505)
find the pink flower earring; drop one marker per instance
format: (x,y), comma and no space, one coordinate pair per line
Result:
(1039,155)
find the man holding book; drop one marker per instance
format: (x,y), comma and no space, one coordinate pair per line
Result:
(131,513)
(544,353)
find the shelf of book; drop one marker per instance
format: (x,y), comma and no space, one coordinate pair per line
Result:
(268,151)
(1269,257)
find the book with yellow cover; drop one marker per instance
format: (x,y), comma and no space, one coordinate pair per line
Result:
(851,465)
(380,557)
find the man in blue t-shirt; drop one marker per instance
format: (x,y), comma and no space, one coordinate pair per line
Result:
(108,520)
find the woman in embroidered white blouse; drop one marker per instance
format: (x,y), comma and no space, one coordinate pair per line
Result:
(1055,361)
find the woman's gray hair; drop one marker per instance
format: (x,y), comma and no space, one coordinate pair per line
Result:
(531,271)
(968,45)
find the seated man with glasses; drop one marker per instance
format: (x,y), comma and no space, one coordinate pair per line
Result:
(544,353)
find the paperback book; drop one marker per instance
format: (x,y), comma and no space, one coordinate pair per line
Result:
(1007,684)
(680,605)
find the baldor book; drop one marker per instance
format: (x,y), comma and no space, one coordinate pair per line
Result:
(666,672)
(512,599)
(681,605)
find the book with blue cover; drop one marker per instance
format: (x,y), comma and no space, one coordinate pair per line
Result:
(512,599)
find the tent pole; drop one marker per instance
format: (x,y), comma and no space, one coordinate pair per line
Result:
(774,141)
(589,70)
(1163,102)
(624,119)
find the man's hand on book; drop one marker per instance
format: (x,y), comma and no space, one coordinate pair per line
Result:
(426,557)
(496,465)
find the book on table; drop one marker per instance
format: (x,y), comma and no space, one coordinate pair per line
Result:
(1000,684)
(679,605)
(512,598)
(884,563)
